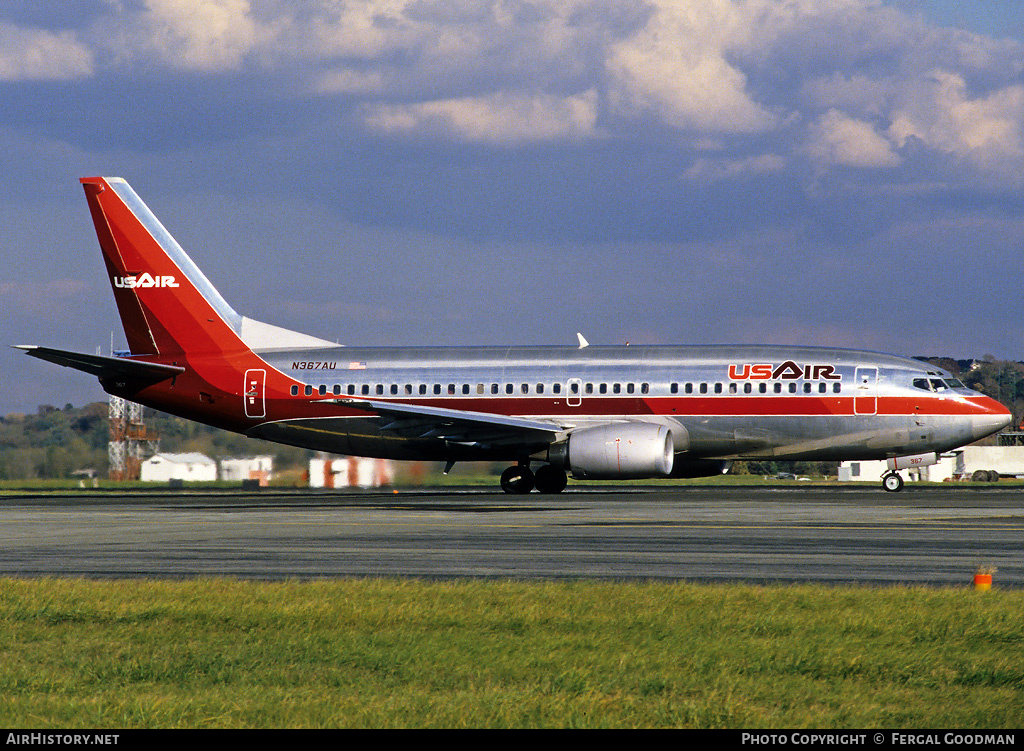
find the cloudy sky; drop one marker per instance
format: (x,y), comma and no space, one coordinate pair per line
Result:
(388,172)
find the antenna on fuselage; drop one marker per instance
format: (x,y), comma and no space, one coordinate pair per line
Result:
(583,342)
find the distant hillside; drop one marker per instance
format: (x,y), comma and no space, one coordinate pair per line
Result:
(54,442)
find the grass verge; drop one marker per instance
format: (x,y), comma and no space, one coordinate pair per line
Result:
(405,653)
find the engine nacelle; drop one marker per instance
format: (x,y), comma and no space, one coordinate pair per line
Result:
(621,451)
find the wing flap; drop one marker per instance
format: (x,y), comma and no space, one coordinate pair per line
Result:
(412,420)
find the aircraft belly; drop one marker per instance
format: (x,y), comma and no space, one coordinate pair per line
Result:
(803,437)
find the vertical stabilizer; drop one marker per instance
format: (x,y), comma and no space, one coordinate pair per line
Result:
(167,305)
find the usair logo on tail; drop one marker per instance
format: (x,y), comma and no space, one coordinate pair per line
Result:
(787,371)
(144,280)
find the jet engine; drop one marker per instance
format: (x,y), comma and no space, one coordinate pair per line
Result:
(620,451)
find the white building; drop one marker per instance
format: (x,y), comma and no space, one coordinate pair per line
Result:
(967,463)
(188,467)
(259,468)
(349,472)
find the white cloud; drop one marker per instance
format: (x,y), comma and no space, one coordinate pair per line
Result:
(676,69)
(840,139)
(844,82)
(34,54)
(203,35)
(500,118)
(985,131)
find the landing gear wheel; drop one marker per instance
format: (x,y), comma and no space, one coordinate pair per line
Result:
(517,479)
(893,483)
(550,479)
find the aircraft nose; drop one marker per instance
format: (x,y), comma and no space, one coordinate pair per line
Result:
(991,420)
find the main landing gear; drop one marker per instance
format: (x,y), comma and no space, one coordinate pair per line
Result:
(520,479)
(892,482)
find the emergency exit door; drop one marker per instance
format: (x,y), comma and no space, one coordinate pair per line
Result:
(255,393)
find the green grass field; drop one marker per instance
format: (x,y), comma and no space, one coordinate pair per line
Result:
(405,653)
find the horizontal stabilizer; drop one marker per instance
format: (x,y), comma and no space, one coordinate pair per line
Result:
(104,367)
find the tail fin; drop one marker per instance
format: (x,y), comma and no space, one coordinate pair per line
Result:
(167,305)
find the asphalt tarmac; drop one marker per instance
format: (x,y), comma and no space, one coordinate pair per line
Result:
(934,536)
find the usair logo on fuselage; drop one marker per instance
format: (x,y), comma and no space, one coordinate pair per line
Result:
(787,371)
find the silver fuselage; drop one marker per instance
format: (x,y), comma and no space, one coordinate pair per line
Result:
(721,402)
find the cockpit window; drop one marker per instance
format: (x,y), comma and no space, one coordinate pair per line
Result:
(937,384)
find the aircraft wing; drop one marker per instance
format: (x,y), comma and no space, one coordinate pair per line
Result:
(415,421)
(103,367)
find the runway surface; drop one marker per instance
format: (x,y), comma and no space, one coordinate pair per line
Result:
(933,536)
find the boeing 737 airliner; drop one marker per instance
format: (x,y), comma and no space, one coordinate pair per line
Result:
(603,412)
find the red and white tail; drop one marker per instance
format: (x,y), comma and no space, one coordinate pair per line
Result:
(167,305)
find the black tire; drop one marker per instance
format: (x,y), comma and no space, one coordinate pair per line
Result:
(517,480)
(550,479)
